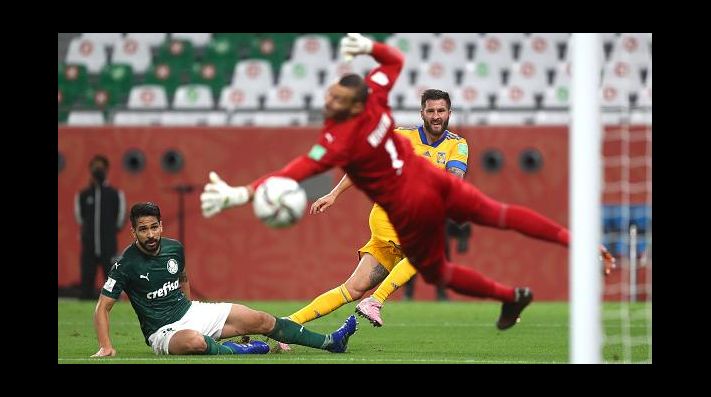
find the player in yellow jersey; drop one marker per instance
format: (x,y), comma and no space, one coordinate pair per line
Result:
(381,259)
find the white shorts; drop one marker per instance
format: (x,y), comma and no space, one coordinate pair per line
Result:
(205,318)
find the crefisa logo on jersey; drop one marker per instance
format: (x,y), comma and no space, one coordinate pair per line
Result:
(172,266)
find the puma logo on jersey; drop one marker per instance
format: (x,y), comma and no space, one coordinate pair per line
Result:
(146,276)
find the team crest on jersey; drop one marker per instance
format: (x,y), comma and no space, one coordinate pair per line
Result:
(441,158)
(172,266)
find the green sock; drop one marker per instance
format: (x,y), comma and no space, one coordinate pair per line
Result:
(287,331)
(214,348)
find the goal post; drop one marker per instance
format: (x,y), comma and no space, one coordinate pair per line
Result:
(585,192)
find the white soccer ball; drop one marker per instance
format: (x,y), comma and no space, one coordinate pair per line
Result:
(279,202)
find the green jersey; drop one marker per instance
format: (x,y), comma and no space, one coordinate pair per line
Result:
(152,283)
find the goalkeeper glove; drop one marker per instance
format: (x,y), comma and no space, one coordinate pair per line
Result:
(218,195)
(608,261)
(355,44)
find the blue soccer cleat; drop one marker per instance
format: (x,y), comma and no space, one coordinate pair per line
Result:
(253,347)
(341,335)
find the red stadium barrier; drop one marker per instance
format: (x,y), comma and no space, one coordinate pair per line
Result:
(233,256)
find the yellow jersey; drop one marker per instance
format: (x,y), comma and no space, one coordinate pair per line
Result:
(450,150)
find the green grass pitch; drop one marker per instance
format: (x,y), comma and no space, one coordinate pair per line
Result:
(414,332)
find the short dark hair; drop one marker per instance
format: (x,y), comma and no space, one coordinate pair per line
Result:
(100,158)
(433,94)
(144,209)
(353,80)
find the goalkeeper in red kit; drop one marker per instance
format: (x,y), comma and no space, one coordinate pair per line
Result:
(358,137)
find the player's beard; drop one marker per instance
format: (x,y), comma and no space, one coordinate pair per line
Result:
(428,127)
(148,249)
(337,115)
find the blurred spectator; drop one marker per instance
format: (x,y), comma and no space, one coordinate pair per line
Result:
(100,211)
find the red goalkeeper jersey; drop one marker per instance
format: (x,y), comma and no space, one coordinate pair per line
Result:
(364,146)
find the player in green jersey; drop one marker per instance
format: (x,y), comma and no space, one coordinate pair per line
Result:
(152,273)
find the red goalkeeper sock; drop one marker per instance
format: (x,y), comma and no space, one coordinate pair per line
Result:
(468,281)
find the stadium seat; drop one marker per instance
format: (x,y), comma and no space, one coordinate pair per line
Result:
(518,104)
(193,96)
(451,49)
(469,97)
(99,97)
(103,39)
(300,76)
(529,76)
(614,95)
(88,53)
(233,98)
(133,52)
(515,97)
(481,77)
(149,39)
(540,50)
(88,118)
(557,97)
(147,97)
(284,97)
(197,39)
(240,40)
(223,53)
(254,75)
(633,48)
(337,69)
(439,75)
(117,79)
(179,54)
(209,74)
(273,48)
(624,74)
(495,51)
(314,50)
(163,74)
(411,49)
(72,81)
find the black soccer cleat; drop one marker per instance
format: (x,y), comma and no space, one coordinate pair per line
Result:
(511,311)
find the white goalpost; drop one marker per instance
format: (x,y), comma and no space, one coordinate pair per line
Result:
(585,181)
(610,151)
